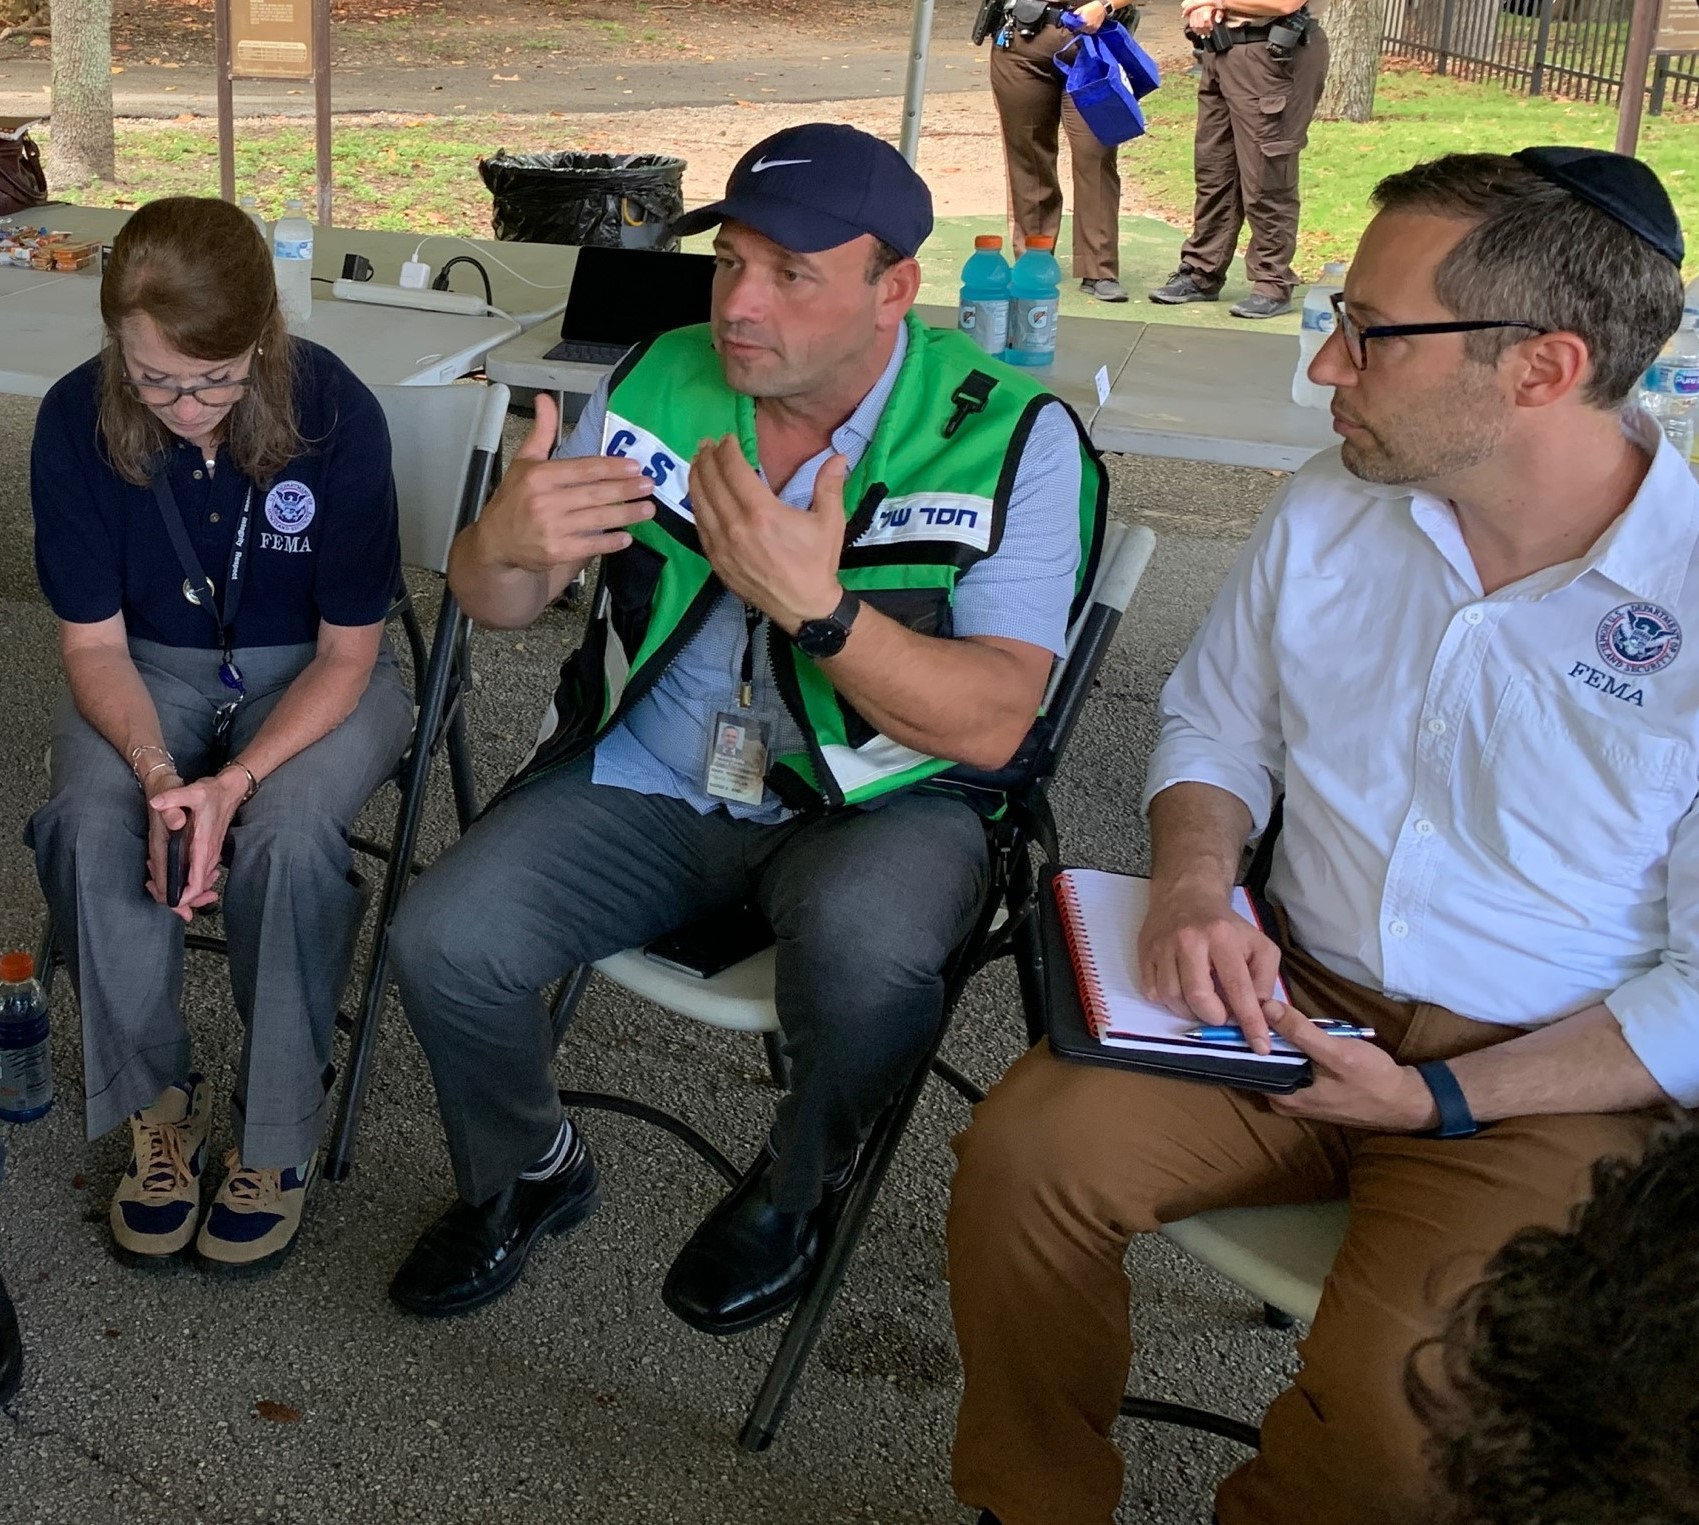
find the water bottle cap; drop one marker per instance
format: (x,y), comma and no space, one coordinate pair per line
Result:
(15,968)
(988,241)
(1045,241)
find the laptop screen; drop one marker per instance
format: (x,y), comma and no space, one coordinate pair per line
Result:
(623,296)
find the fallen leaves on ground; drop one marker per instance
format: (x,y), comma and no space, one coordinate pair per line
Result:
(275,1412)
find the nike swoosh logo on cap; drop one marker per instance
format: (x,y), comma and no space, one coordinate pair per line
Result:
(761,164)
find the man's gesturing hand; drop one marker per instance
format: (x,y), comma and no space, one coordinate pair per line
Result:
(549,513)
(1200,958)
(782,560)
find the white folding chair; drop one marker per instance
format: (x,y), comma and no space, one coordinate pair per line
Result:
(741,999)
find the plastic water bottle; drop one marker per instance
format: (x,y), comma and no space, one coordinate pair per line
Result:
(1317,325)
(1670,389)
(983,313)
(26,1062)
(252,208)
(292,263)
(1035,288)
(1690,305)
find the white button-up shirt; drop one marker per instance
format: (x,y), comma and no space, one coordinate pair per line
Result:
(1490,798)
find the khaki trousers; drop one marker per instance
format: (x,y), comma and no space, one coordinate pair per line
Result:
(1254,115)
(1065,1162)
(1030,103)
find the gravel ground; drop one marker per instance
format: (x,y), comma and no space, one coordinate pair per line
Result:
(307,1398)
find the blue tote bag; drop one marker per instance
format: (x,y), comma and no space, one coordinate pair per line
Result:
(1105,79)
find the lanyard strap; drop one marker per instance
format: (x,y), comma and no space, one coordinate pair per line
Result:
(223,616)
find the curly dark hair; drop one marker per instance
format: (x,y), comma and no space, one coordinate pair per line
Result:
(1565,1389)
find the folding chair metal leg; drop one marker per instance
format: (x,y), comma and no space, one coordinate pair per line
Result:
(768,1410)
(46,955)
(460,772)
(432,699)
(565,1005)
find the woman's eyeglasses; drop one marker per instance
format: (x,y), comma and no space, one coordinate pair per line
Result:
(209,394)
(1357,337)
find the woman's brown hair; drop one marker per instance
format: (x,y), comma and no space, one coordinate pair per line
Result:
(200,270)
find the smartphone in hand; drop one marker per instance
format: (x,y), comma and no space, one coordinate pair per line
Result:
(176,867)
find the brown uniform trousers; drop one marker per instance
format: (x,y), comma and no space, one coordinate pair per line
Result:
(1065,1162)
(1030,102)
(1254,115)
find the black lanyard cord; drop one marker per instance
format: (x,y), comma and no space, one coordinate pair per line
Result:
(223,615)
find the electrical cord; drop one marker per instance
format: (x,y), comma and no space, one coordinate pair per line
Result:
(494,259)
(441,282)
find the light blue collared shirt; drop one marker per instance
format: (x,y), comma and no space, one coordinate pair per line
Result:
(1021,593)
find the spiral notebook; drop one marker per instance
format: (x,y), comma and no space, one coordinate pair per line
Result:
(1098,1011)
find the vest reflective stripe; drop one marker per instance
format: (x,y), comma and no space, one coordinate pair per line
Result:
(857,769)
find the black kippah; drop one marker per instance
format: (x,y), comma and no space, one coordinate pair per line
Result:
(1620,187)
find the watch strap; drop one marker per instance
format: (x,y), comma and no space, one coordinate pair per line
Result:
(1455,1118)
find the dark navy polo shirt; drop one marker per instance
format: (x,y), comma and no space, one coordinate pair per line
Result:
(322,535)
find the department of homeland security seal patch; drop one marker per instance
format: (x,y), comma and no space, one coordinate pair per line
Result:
(1639,638)
(289,508)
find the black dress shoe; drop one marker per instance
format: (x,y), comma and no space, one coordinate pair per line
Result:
(1256,305)
(471,1255)
(1183,286)
(11,1348)
(749,1260)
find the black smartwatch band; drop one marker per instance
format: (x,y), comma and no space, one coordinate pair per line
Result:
(1455,1118)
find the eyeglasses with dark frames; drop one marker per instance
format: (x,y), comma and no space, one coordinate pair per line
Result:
(1357,337)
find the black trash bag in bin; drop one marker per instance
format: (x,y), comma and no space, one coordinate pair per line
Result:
(615,201)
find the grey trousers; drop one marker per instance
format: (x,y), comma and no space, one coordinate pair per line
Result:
(291,910)
(866,906)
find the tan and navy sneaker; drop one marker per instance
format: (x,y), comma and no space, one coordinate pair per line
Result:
(158,1201)
(254,1217)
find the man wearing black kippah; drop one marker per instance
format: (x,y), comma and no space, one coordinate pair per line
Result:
(1457,647)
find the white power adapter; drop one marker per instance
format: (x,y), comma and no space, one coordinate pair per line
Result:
(415,275)
(381,295)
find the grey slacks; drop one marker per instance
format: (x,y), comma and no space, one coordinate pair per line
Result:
(291,910)
(866,906)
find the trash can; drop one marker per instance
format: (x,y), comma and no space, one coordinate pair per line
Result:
(616,201)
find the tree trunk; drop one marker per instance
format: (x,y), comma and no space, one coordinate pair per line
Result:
(1353,37)
(79,141)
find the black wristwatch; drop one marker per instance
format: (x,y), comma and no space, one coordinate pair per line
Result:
(825,638)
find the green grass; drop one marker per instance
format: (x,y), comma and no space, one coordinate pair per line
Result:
(1417,116)
(421,172)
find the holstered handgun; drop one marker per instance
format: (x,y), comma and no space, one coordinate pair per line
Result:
(987,19)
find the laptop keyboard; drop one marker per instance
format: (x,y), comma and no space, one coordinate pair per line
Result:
(586,353)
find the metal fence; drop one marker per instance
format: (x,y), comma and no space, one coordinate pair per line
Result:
(1572,48)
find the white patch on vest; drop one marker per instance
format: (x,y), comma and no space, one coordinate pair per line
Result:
(667,468)
(871,763)
(957,516)
(616,668)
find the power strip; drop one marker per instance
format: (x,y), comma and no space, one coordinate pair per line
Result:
(400,296)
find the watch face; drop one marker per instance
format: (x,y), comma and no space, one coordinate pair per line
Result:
(821,638)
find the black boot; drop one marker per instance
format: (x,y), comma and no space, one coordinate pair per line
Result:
(750,1260)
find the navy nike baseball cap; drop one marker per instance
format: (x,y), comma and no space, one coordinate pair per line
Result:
(819,185)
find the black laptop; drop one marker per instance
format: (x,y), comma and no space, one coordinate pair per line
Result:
(620,297)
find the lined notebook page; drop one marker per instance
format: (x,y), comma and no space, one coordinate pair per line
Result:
(1102,914)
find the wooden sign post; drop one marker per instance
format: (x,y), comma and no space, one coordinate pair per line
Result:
(273,39)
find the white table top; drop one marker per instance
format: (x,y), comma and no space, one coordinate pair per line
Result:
(50,324)
(1085,345)
(1209,394)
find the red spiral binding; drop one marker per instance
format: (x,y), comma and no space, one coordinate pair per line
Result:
(1086,976)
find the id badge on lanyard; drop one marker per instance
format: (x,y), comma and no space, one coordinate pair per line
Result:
(198,590)
(740,739)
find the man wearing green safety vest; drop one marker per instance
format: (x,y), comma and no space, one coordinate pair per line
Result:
(839,554)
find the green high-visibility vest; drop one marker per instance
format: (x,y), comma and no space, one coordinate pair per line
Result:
(925,503)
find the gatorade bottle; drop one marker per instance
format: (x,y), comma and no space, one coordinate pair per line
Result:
(983,313)
(1317,325)
(26,1062)
(1034,290)
(292,263)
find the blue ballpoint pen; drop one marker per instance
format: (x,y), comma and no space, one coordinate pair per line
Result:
(1236,1035)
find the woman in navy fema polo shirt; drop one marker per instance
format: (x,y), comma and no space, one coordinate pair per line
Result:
(215,528)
